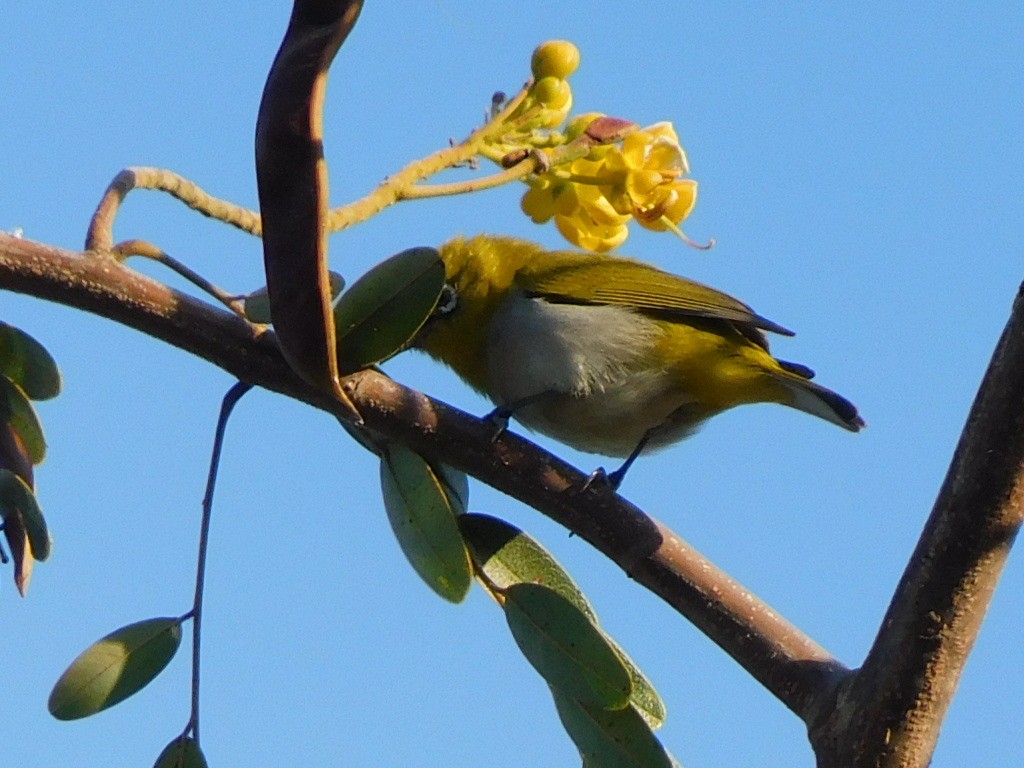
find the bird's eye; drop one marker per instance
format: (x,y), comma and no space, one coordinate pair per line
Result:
(448,301)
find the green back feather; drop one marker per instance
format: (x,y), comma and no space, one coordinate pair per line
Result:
(580,278)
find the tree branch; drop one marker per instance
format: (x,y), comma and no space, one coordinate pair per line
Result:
(791,665)
(890,712)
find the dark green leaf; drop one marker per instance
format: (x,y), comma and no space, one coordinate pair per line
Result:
(364,437)
(16,497)
(256,305)
(508,556)
(423,518)
(16,410)
(644,698)
(384,309)
(27,363)
(183,752)
(564,646)
(114,668)
(455,485)
(606,738)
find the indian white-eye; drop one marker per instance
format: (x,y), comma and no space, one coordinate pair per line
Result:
(607,354)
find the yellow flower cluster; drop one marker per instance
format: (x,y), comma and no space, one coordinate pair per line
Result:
(594,175)
(593,199)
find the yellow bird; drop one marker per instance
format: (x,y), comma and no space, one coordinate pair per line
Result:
(607,354)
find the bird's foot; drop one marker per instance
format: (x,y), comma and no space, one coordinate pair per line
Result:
(601,477)
(499,418)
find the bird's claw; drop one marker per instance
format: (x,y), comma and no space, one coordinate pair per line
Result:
(601,477)
(499,418)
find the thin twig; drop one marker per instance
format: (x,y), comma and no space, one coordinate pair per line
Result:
(232,397)
(516,172)
(146,250)
(100,235)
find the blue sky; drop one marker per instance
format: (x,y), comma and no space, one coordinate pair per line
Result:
(860,169)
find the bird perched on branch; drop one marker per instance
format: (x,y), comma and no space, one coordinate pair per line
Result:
(607,354)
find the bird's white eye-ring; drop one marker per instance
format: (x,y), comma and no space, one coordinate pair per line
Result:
(448,301)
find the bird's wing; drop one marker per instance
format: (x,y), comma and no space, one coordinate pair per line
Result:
(620,282)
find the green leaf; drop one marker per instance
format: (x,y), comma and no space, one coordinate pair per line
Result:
(383,310)
(644,698)
(508,556)
(114,668)
(363,436)
(422,515)
(256,306)
(455,485)
(606,738)
(16,410)
(183,752)
(565,647)
(27,363)
(16,496)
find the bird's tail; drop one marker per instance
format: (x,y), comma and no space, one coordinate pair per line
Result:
(815,399)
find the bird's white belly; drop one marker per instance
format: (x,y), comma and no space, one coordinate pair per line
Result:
(585,371)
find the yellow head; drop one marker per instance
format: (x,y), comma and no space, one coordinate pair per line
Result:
(480,273)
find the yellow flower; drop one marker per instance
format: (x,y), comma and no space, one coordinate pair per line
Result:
(592,199)
(646,178)
(539,201)
(581,212)
(585,218)
(581,230)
